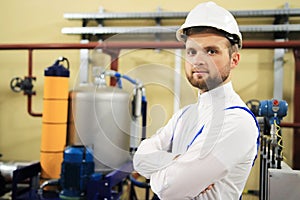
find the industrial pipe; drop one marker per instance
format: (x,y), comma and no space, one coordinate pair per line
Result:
(142,45)
(290,125)
(29,96)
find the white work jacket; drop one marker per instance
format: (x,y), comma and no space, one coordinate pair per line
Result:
(216,140)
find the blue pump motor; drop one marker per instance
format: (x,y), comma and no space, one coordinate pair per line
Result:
(77,167)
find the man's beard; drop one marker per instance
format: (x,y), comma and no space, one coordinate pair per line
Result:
(209,83)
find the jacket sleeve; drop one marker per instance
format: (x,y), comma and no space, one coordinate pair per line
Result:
(153,154)
(227,143)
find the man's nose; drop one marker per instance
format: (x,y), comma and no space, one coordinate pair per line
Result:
(199,59)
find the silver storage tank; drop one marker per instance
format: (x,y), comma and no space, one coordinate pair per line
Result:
(99,117)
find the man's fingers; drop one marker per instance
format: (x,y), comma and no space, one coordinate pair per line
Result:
(208,188)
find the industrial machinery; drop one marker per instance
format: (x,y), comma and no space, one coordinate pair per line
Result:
(283,183)
(55,116)
(11,180)
(85,154)
(99,118)
(271,146)
(77,168)
(277,179)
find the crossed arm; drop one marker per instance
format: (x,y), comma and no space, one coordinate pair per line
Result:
(188,175)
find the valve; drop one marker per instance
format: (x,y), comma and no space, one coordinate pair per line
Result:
(17,84)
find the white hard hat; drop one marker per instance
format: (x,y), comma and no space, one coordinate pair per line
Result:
(210,14)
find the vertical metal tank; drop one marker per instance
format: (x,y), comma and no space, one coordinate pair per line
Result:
(99,117)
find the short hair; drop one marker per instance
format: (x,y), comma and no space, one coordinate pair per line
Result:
(233,39)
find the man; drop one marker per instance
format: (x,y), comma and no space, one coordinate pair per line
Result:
(207,149)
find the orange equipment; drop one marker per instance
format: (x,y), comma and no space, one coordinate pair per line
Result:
(55,115)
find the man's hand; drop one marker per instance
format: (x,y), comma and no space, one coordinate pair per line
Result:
(208,188)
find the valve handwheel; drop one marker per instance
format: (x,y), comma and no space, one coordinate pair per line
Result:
(16,84)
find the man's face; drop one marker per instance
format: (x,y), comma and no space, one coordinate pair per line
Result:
(208,63)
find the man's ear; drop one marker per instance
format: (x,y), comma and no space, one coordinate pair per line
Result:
(235,59)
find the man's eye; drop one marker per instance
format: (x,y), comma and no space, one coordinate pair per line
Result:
(191,52)
(211,51)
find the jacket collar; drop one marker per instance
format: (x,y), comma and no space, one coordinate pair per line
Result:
(217,95)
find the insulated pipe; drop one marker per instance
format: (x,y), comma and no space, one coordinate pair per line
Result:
(7,168)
